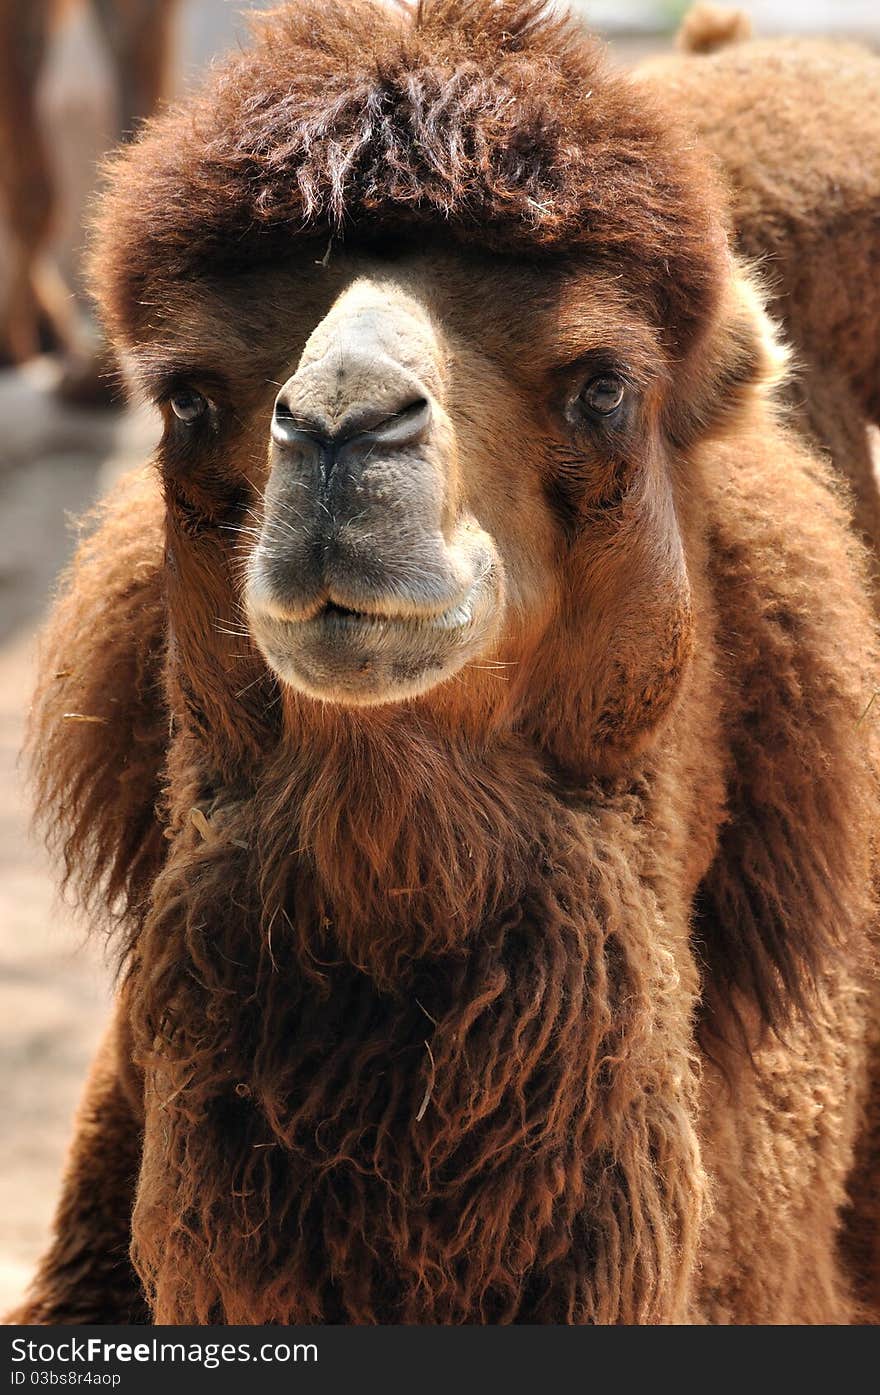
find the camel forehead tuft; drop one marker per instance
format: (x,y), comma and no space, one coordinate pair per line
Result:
(491,124)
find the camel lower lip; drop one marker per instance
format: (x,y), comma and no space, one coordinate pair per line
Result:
(367,657)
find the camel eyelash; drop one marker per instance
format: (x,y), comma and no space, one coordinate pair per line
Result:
(165,383)
(574,376)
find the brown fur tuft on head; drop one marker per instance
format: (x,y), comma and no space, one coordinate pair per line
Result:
(497,124)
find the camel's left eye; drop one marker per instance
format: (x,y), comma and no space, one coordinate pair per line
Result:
(604,394)
(188,405)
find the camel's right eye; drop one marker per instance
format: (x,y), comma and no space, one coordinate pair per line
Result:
(188,405)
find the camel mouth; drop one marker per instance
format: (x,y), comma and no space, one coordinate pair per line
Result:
(381,654)
(454,617)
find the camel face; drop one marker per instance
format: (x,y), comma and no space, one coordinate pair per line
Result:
(428,462)
(432,356)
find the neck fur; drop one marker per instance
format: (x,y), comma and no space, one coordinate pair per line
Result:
(401,1030)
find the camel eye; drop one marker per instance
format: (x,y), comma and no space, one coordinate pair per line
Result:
(188,405)
(604,394)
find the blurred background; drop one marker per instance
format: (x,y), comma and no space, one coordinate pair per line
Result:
(76,76)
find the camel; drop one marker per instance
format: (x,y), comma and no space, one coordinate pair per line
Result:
(464,724)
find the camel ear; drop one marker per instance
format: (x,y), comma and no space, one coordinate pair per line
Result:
(98,727)
(742,359)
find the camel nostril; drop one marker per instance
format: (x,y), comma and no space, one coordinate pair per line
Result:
(406,424)
(378,423)
(292,428)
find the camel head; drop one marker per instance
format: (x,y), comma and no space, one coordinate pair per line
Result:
(437,311)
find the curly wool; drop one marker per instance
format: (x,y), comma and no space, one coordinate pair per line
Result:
(377,1169)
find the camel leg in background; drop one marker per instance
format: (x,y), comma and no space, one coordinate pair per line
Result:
(26,189)
(138,37)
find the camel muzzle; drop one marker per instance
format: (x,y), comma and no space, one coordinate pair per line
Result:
(366,584)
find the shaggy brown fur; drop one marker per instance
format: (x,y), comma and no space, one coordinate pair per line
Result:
(795,126)
(136,34)
(538,999)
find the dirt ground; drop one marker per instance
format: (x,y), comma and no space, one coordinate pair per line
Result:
(52,1001)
